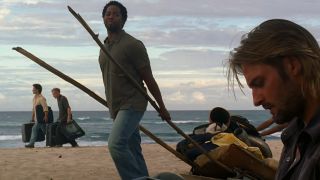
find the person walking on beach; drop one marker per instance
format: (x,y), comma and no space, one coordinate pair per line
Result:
(65,116)
(126,103)
(39,125)
(280,61)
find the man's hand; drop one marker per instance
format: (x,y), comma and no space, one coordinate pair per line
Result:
(32,120)
(69,120)
(45,119)
(164,114)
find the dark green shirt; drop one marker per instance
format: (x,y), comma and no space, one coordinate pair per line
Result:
(120,92)
(300,158)
(63,105)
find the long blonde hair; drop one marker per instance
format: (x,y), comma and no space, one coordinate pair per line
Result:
(269,43)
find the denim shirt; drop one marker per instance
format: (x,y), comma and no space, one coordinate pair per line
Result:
(300,158)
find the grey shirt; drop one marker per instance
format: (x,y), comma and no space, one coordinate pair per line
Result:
(300,158)
(63,105)
(120,92)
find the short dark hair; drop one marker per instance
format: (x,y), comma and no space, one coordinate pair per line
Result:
(219,115)
(123,9)
(38,87)
(55,89)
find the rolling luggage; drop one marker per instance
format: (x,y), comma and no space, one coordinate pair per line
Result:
(26,130)
(51,134)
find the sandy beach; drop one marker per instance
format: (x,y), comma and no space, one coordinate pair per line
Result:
(85,162)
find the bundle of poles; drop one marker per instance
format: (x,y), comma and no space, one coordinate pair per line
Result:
(134,82)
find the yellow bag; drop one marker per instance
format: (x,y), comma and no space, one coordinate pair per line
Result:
(225,139)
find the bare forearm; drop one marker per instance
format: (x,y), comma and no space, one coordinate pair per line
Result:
(155,91)
(273,130)
(32,117)
(264,125)
(69,113)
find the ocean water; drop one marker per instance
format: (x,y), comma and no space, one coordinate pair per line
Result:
(98,124)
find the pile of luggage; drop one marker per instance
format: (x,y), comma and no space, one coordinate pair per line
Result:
(70,131)
(237,149)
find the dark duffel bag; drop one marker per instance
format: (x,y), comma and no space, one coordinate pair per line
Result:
(40,114)
(72,130)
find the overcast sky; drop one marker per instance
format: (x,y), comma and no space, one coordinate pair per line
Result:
(188,43)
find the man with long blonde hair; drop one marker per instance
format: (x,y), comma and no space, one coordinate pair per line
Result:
(280,61)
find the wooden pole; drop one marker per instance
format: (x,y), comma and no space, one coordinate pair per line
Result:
(140,88)
(98,98)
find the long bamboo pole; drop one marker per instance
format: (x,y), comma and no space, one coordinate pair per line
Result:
(140,88)
(99,99)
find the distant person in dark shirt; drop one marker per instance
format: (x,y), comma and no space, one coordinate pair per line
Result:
(280,61)
(126,104)
(65,116)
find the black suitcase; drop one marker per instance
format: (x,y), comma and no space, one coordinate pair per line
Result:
(51,134)
(26,130)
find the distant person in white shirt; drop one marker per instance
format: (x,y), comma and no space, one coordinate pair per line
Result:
(39,125)
(215,126)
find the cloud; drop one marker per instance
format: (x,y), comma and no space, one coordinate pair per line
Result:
(2,97)
(188,43)
(204,84)
(227,8)
(176,97)
(27,2)
(211,24)
(190,59)
(4,12)
(198,97)
(189,84)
